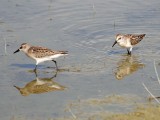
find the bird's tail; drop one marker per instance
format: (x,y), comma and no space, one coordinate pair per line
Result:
(64,52)
(136,38)
(142,36)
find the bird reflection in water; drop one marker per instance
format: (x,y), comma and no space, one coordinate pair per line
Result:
(127,66)
(40,85)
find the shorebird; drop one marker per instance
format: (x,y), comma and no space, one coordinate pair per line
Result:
(128,41)
(40,54)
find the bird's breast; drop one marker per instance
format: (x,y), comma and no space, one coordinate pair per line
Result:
(124,43)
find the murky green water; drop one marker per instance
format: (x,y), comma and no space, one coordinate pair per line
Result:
(93,69)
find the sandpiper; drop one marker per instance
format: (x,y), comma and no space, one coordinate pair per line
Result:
(40,54)
(128,40)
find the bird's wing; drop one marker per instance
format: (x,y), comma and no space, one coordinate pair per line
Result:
(40,52)
(136,38)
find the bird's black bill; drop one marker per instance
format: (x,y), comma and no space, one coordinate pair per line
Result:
(17,87)
(17,51)
(114,43)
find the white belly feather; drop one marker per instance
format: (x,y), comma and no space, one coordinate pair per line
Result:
(125,43)
(48,58)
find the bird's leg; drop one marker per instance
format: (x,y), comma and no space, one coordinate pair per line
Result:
(35,73)
(35,69)
(128,52)
(54,75)
(55,64)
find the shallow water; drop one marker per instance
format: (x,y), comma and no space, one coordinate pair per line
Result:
(93,69)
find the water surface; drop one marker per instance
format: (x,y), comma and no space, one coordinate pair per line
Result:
(93,69)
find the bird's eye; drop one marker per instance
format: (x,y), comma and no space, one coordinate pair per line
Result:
(119,38)
(20,47)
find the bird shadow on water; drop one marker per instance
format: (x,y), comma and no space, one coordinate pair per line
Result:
(32,66)
(26,65)
(40,85)
(115,52)
(121,51)
(127,66)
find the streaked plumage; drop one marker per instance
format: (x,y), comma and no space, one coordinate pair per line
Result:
(128,40)
(40,54)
